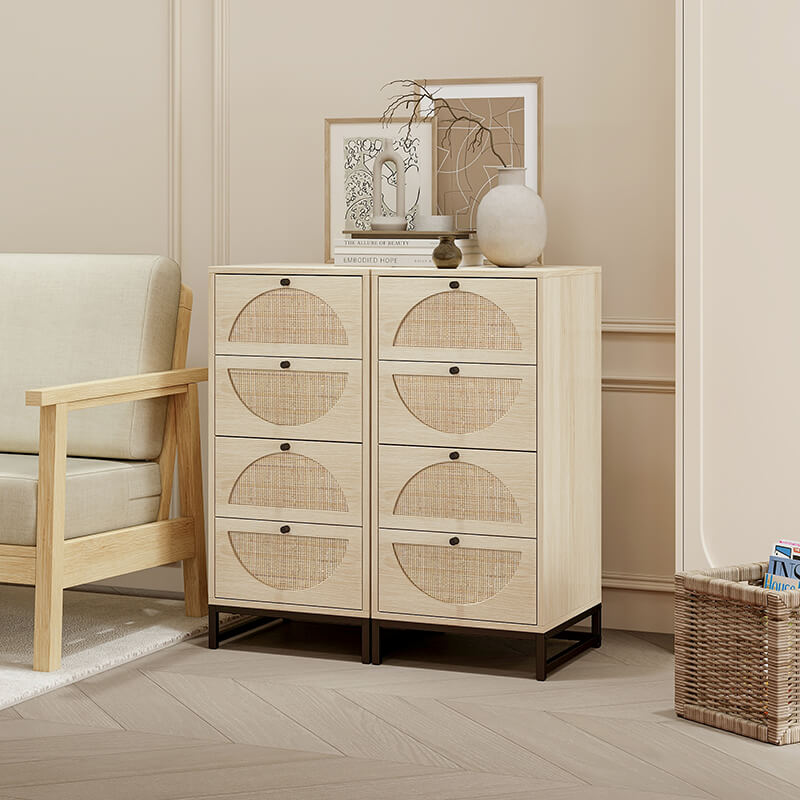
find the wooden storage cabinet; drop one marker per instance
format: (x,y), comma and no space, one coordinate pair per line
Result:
(288,404)
(408,448)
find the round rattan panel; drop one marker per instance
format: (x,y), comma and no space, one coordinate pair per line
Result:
(457,575)
(457,490)
(288,562)
(288,316)
(457,404)
(288,480)
(458,319)
(288,397)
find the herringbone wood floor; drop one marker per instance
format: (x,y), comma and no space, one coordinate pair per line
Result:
(291,713)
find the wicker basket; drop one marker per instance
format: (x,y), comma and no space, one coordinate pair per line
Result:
(737,653)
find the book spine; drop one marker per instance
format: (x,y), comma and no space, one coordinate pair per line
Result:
(382,244)
(396,251)
(356,260)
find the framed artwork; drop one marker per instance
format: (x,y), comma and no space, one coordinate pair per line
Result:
(350,149)
(512,108)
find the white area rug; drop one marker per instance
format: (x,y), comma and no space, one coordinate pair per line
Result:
(100,631)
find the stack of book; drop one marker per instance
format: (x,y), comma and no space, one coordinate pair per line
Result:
(399,252)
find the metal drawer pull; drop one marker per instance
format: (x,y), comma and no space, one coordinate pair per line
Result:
(454,455)
(285,529)
(285,281)
(454,370)
(454,540)
(286,364)
(454,284)
(285,446)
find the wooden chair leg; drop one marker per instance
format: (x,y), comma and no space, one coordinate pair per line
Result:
(49,585)
(190,479)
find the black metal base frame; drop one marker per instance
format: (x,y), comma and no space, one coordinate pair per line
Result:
(582,640)
(259,618)
(371,632)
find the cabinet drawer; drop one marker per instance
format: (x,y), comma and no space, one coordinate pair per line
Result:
(481,319)
(317,565)
(466,491)
(303,398)
(488,578)
(480,406)
(308,482)
(314,315)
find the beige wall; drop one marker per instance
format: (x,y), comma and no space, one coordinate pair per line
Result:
(255,86)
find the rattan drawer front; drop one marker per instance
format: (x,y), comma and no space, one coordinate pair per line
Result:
(489,578)
(304,398)
(314,315)
(306,482)
(467,491)
(481,319)
(317,565)
(479,406)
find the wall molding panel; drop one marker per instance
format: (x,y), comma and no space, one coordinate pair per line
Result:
(638,583)
(221,136)
(642,325)
(639,384)
(175,120)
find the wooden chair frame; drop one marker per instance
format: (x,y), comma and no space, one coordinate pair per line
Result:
(54,564)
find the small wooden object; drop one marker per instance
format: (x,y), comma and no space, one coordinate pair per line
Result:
(446,255)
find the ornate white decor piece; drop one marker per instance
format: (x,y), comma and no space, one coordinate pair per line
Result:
(396,221)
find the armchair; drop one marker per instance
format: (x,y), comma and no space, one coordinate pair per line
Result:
(100,489)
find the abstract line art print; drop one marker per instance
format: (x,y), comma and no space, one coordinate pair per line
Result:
(465,173)
(512,108)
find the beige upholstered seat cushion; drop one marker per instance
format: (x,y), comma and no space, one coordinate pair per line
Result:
(101,496)
(72,318)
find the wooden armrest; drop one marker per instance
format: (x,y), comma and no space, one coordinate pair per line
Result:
(118,390)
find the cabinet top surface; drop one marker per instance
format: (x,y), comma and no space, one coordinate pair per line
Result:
(478,272)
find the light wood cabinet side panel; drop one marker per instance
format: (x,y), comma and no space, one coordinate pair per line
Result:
(569,448)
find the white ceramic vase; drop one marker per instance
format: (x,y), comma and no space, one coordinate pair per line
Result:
(511,224)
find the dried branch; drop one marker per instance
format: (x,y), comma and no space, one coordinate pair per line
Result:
(417,102)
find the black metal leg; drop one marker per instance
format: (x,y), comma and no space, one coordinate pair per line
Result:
(213,628)
(366,642)
(376,642)
(541,656)
(597,630)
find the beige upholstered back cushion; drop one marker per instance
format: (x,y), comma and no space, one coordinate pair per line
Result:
(72,318)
